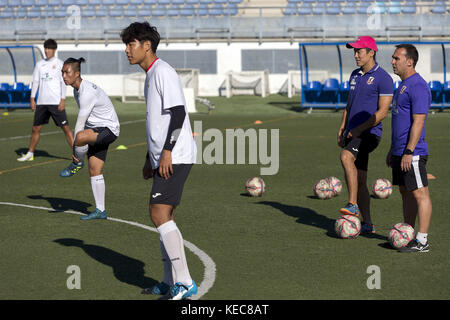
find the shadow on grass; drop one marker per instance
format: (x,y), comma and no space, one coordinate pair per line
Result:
(39,153)
(291,106)
(62,204)
(126,269)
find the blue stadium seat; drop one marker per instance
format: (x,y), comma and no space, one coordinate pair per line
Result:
(7,13)
(18,93)
(159,10)
(88,12)
(349,8)
(108,2)
(439,7)
(206,1)
(14,3)
(41,3)
(447,91)
(54,3)
(334,8)
(136,2)
(202,9)
(231,9)
(319,8)
(312,91)
(344,90)
(116,12)
(95,2)
(150,1)
(409,8)
(192,1)
(122,2)
(306,8)
(101,11)
(187,10)
(235,1)
(436,91)
(145,11)
(216,10)
(4,93)
(21,13)
(28,3)
(329,91)
(291,9)
(68,2)
(81,2)
(220,1)
(395,7)
(3,3)
(164,1)
(34,13)
(131,11)
(173,10)
(179,2)
(61,12)
(325,1)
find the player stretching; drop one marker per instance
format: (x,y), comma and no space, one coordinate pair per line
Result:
(96,128)
(171,154)
(409,150)
(371,90)
(51,100)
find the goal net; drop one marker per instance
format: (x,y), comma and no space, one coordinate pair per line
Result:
(247,83)
(133,85)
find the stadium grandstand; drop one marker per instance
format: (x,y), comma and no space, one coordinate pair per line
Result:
(228,45)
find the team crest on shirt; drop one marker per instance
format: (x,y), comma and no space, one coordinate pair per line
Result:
(402,89)
(54,66)
(370,80)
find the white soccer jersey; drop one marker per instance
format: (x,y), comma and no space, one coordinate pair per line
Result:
(163,90)
(47,78)
(96,109)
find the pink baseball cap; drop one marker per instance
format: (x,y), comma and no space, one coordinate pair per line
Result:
(363,42)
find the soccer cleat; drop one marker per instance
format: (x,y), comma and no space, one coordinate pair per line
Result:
(415,246)
(367,228)
(351,209)
(71,169)
(97,214)
(158,289)
(180,292)
(26,157)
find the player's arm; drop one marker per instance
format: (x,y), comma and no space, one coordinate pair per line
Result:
(414,136)
(62,103)
(340,135)
(177,116)
(384,103)
(34,88)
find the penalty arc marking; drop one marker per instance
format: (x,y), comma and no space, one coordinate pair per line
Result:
(209,276)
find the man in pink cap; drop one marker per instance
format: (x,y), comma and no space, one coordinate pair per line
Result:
(371,91)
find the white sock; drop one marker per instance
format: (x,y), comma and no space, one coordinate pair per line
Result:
(80,152)
(174,245)
(168,269)
(422,237)
(98,189)
(29,153)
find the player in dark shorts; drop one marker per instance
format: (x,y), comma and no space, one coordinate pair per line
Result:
(51,100)
(408,154)
(371,90)
(96,128)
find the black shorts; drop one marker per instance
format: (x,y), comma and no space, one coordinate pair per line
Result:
(169,191)
(44,112)
(361,147)
(413,179)
(104,139)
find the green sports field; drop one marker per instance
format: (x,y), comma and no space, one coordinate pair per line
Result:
(279,246)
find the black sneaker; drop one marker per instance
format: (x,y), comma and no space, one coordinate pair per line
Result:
(415,246)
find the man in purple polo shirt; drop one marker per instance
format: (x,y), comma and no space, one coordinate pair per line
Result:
(409,150)
(371,91)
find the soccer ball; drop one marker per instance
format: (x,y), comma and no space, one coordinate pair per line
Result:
(336,185)
(400,235)
(347,226)
(255,187)
(382,188)
(323,189)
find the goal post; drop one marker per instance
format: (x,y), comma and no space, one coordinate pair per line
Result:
(247,83)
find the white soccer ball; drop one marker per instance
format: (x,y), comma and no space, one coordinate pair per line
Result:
(323,189)
(336,185)
(255,187)
(347,226)
(382,188)
(400,235)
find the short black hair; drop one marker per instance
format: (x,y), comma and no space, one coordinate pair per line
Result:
(141,31)
(50,44)
(76,63)
(411,52)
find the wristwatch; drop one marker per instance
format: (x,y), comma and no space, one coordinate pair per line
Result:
(408,151)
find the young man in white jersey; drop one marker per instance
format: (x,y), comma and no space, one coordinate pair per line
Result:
(171,154)
(51,98)
(96,128)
